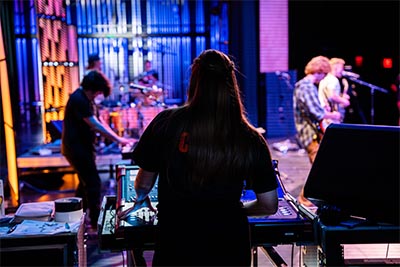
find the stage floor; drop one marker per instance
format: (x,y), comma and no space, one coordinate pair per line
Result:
(293,165)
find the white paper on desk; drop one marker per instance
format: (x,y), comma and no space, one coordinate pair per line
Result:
(32,227)
(35,209)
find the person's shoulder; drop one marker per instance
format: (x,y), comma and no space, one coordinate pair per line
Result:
(171,112)
(78,96)
(305,84)
(76,93)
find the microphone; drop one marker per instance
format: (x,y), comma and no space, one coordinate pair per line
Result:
(350,74)
(284,75)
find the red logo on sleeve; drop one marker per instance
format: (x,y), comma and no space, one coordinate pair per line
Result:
(183,142)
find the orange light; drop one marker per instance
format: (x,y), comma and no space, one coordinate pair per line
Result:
(387,63)
(359,61)
(9,133)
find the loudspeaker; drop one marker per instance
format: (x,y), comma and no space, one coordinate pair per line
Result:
(279,103)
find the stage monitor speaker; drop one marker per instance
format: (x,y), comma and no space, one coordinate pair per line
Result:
(356,172)
(279,103)
(55,129)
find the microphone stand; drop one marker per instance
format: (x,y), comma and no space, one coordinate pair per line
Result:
(372,88)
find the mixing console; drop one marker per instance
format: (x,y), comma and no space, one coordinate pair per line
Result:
(123,227)
(126,196)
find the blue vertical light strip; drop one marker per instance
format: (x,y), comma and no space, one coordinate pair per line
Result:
(68,16)
(99,16)
(84,18)
(185,70)
(101,42)
(174,18)
(170,18)
(185,17)
(79,17)
(169,59)
(24,62)
(89,17)
(21,70)
(125,45)
(153,21)
(136,17)
(108,15)
(36,69)
(149,15)
(96,16)
(17,17)
(224,33)
(123,18)
(22,18)
(118,53)
(88,49)
(175,60)
(39,83)
(200,44)
(33,20)
(82,59)
(162,20)
(199,17)
(214,32)
(117,22)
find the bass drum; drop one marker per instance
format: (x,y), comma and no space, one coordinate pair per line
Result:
(130,121)
(147,114)
(104,115)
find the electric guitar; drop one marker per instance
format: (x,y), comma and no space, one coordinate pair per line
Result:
(324,123)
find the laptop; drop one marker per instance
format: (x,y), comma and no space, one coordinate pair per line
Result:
(356,172)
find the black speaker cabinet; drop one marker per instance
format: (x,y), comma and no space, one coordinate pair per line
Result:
(279,103)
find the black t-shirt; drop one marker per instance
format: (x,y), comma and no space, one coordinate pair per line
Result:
(197,226)
(77,134)
(158,151)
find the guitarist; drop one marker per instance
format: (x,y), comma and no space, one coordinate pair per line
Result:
(330,92)
(308,110)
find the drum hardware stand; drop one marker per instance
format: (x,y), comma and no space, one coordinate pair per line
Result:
(162,50)
(372,88)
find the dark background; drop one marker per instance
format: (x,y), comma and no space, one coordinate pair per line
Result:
(348,29)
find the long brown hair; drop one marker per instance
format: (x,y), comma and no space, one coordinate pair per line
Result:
(220,136)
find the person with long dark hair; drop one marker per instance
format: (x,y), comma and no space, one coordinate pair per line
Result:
(204,153)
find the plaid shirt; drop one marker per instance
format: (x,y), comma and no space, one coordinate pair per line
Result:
(307,111)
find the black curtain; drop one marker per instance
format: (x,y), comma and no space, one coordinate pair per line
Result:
(243,45)
(7,23)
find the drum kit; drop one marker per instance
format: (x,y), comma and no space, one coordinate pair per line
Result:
(134,110)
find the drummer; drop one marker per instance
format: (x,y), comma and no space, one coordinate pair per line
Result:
(149,80)
(149,77)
